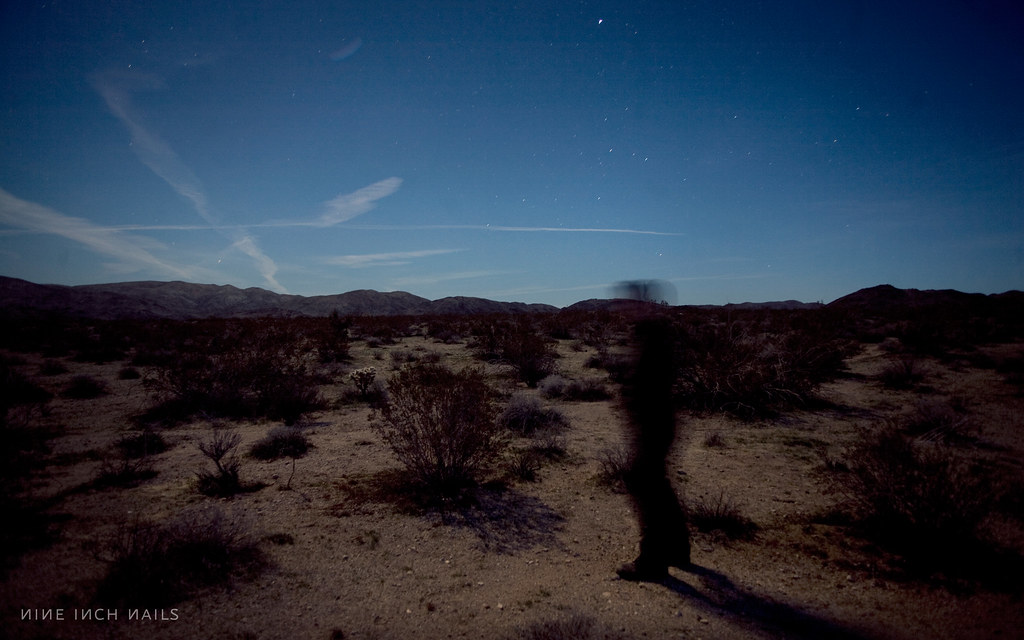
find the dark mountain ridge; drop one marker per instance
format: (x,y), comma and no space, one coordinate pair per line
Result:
(183,300)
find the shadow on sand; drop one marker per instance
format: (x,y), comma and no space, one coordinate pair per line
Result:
(504,519)
(718,596)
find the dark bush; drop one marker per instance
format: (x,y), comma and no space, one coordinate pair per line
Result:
(129,373)
(441,425)
(17,392)
(575,626)
(281,442)
(52,367)
(919,498)
(586,390)
(720,515)
(517,343)
(142,444)
(524,416)
(157,565)
(220,449)
(614,463)
(124,470)
(525,464)
(84,388)
(902,372)
(334,339)
(754,367)
(247,371)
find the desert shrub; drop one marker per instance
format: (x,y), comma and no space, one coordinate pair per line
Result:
(141,444)
(614,464)
(752,368)
(84,387)
(363,379)
(129,373)
(720,515)
(525,464)
(52,367)
(376,395)
(937,421)
(524,415)
(586,390)
(902,372)
(516,343)
(281,442)
(220,449)
(247,371)
(440,423)
(18,394)
(153,565)
(714,439)
(920,498)
(123,470)
(334,339)
(575,626)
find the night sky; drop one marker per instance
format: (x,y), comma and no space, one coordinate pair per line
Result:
(528,151)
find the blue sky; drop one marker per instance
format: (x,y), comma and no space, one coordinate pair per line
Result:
(530,151)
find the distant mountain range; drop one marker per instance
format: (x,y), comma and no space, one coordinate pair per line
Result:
(888,298)
(182,300)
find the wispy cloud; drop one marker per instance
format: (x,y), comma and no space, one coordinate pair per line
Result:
(349,205)
(129,250)
(446,277)
(491,227)
(116,89)
(384,259)
(734,276)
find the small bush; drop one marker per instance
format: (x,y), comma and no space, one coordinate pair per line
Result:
(129,373)
(917,497)
(936,421)
(714,439)
(142,444)
(281,442)
(586,390)
(18,397)
(156,565)
(720,515)
(524,416)
(572,627)
(614,463)
(525,464)
(124,471)
(902,372)
(754,368)
(441,424)
(84,388)
(249,371)
(52,367)
(220,449)
(363,379)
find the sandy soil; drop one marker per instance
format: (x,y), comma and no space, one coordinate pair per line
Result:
(348,566)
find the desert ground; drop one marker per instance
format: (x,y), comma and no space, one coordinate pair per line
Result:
(337,545)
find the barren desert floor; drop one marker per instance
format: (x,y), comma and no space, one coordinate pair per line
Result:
(344,558)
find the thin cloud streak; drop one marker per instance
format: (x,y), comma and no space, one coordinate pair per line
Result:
(445,277)
(358,261)
(349,205)
(381,227)
(126,248)
(489,227)
(115,89)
